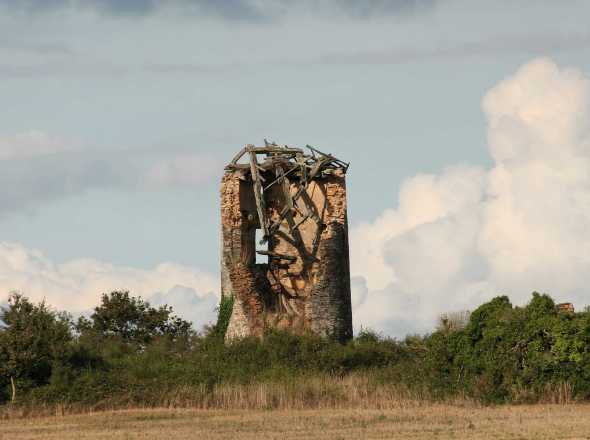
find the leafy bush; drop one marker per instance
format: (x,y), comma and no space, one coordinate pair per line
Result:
(132,320)
(128,352)
(32,339)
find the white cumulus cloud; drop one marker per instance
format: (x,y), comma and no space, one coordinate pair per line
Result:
(467,234)
(76,286)
(456,238)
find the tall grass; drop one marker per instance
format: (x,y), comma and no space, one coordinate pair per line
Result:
(354,391)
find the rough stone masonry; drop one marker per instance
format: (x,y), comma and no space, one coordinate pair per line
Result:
(284,251)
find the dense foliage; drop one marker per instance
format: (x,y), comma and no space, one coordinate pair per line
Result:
(131,320)
(133,352)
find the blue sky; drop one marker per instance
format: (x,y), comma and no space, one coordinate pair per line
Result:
(117,118)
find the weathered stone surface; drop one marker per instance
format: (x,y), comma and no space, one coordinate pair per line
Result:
(306,284)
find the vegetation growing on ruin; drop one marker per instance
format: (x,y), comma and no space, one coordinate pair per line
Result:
(226,307)
(128,353)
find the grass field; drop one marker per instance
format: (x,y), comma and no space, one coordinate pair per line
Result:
(411,422)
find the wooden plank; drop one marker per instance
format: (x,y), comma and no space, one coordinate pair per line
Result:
(260,207)
(300,159)
(237,166)
(262,179)
(277,223)
(277,149)
(338,162)
(286,186)
(305,217)
(239,155)
(279,178)
(277,255)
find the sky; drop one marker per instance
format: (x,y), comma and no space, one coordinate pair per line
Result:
(466,123)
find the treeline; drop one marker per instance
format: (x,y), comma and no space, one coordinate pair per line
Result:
(128,353)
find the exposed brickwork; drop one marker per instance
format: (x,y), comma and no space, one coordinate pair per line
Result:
(565,307)
(310,291)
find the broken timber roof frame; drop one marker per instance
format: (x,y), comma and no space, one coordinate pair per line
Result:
(284,161)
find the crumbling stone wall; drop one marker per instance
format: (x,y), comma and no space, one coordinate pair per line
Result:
(305,285)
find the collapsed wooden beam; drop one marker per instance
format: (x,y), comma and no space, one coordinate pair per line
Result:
(280,177)
(277,255)
(260,206)
(301,166)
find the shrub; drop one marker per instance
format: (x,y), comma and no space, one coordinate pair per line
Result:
(131,353)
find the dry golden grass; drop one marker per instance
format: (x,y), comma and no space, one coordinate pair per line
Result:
(316,392)
(411,421)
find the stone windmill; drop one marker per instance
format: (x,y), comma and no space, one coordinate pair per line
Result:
(287,208)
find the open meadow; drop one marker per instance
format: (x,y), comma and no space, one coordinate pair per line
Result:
(412,421)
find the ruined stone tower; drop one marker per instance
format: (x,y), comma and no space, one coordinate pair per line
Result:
(287,207)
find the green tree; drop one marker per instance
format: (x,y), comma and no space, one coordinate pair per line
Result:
(132,320)
(32,339)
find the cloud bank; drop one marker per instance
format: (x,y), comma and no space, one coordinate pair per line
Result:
(76,286)
(467,234)
(455,239)
(242,10)
(498,45)
(36,167)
